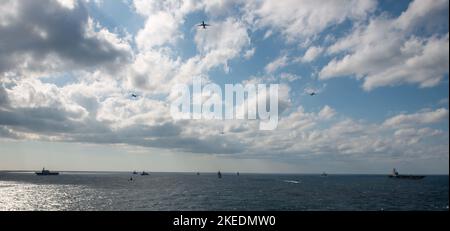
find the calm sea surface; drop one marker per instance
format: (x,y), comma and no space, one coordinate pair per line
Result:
(186,191)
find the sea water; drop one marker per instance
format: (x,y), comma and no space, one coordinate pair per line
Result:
(189,191)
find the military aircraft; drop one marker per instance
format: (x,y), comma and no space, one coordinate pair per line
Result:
(203,25)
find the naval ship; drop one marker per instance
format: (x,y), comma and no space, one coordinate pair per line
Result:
(45,172)
(396,175)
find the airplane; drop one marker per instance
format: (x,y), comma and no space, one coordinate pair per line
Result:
(312,94)
(203,25)
(134,95)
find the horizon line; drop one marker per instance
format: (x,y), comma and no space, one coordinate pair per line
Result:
(223,172)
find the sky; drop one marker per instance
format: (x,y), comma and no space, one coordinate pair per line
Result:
(379,68)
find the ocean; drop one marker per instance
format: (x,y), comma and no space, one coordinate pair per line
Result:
(187,191)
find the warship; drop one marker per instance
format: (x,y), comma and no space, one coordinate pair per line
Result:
(396,175)
(45,172)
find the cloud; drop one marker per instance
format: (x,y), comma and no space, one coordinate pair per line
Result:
(410,136)
(229,36)
(419,118)
(301,19)
(289,77)
(309,135)
(4,100)
(386,52)
(156,69)
(310,89)
(276,64)
(7,133)
(311,54)
(443,101)
(99,111)
(152,70)
(95,106)
(249,53)
(327,112)
(70,4)
(161,28)
(216,46)
(47,36)
(419,13)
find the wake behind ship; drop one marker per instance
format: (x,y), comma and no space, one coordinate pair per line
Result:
(45,172)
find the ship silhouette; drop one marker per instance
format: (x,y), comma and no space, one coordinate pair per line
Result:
(396,175)
(45,172)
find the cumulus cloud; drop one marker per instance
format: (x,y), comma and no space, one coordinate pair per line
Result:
(222,42)
(95,107)
(327,112)
(55,35)
(301,19)
(3,97)
(276,64)
(100,112)
(249,53)
(156,68)
(410,136)
(419,13)
(311,54)
(152,70)
(160,28)
(309,134)
(427,117)
(386,52)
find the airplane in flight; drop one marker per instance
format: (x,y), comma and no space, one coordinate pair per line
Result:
(312,94)
(134,95)
(203,25)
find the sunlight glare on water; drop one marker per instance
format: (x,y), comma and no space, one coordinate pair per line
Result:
(184,191)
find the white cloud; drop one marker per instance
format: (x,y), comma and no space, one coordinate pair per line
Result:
(386,53)
(420,11)
(411,136)
(230,34)
(299,19)
(39,40)
(289,77)
(327,112)
(100,111)
(160,28)
(8,12)
(249,53)
(310,89)
(220,43)
(311,54)
(179,8)
(276,64)
(419,118)
(152,71)
(217,8)
(68,3)
(95,107)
